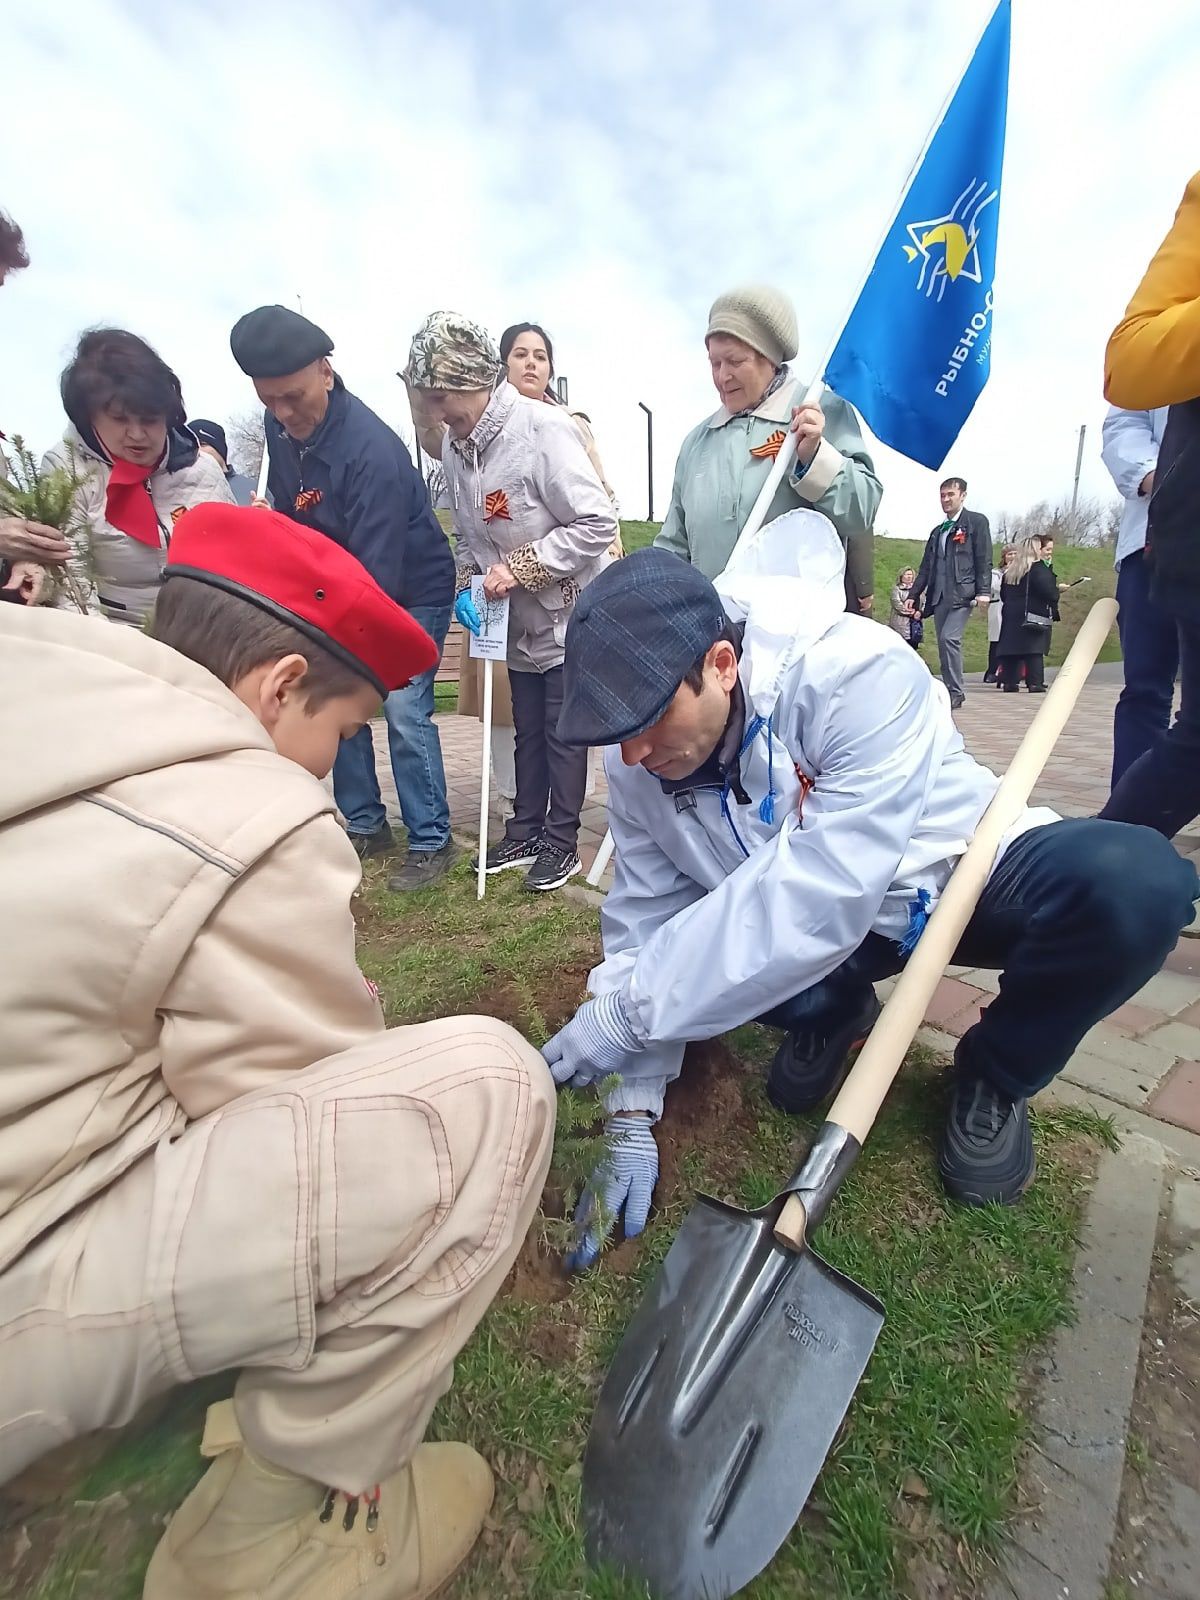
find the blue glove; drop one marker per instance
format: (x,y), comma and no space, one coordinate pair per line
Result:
(625,1178)
(596,1042)
(465,612)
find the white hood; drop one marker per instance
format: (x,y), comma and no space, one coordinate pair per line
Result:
(788,585)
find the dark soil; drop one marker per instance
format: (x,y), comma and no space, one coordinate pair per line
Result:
(538,1277)
(705,1110)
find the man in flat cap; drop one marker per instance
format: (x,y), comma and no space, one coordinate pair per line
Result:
(213,1156)
(337,467)
(789,795)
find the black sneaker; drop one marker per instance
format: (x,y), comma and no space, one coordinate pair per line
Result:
(422,868)
(509,853)
(986,1152)
(811,1062)
(554,865)
(372,844)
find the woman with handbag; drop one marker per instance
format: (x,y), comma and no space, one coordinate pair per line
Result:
(531,516)
(1029,595)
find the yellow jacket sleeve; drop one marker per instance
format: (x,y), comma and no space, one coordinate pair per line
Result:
(1153,356)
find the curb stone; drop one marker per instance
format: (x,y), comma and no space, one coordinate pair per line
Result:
(1076,1462)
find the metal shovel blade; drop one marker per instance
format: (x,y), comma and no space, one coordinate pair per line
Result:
(721,1405)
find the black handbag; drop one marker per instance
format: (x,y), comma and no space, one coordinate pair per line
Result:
(1034,619)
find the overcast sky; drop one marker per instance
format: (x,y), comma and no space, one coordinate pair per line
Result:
(606,169)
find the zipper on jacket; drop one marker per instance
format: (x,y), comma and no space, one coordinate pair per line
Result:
(723,797)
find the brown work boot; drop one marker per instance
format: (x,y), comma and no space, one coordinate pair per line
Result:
(256,1531)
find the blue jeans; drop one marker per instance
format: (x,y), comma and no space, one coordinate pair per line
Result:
(416,753)
(1151,652)
(1076,918)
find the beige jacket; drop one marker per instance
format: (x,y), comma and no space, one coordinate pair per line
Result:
(113,574)
(175,905)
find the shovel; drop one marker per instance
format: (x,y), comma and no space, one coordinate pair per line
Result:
(739,1365)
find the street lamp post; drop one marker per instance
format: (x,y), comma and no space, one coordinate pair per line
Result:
(649,460)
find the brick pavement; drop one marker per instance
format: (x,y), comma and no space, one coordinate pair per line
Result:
(1146,1057)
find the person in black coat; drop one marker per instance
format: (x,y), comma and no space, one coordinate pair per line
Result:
(1030,589)
(337,467)
(955,574)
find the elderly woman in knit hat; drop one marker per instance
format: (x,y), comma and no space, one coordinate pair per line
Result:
(531,516)
(724,462)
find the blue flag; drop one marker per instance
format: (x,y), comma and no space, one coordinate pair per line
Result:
(916,352)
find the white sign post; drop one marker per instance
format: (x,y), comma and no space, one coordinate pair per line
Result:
(488,645)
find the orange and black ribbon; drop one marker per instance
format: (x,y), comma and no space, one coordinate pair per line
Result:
(770,448)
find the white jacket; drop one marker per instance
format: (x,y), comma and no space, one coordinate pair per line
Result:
(1130,450)
(524,492)
(721,911)
(116,576)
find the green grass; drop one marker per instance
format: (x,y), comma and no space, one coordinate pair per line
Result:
(893,555)
(969,1294)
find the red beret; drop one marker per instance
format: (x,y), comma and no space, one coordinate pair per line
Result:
(307,581)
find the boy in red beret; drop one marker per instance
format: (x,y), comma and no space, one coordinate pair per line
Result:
(212,1154)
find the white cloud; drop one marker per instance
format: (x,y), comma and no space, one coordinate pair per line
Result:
(604,170)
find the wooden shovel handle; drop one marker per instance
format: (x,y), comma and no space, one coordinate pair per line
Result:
(863,1092)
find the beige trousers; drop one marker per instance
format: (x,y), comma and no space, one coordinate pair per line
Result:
(337,1237)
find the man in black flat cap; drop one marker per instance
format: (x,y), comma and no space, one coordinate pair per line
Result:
(337,467)
(789,795)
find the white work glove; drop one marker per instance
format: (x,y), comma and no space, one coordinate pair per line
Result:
(624,1180)
(597,1041)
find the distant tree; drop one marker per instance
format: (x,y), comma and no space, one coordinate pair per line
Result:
(1091,524)
(247,441)
(435,482)
(1112,524)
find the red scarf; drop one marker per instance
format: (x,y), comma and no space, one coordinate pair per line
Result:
(128,505)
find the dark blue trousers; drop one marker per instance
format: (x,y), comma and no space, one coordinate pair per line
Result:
(1151,651)
(1076,918)
(1162,788)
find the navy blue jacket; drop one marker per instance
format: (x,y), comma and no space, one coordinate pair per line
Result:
(353,480)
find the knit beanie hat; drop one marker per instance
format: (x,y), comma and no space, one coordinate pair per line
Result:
(761,317)
(450,351)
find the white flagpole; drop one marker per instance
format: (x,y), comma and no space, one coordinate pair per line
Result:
(485,778)
(603,857)
(264,468)
(787,450)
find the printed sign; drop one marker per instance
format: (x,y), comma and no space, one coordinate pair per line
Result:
(491,643)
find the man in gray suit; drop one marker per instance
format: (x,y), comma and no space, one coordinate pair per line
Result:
(955,573)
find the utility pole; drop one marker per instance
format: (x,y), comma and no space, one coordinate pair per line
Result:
(649,460)
(1078,465)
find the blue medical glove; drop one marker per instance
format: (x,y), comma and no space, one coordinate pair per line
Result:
(465,612)
(624,1179)
(596,1042)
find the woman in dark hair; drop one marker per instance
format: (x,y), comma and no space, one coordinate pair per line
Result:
(528,356)
(527,352)
(13,255)
(139,467)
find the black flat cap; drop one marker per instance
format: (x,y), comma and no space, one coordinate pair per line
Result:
(210,433)
(633,635)
(273,341)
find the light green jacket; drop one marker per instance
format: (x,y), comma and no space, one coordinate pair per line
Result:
(717,482)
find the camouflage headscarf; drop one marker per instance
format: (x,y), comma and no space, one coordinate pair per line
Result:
(451,352)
